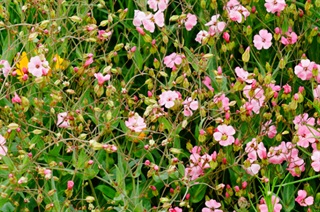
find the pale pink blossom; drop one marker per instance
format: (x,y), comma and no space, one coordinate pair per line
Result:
(304,69)
(136,123)
(63,120)
(236,11)
(289,38)
(224,135)
(190,22)
(167,98)
(274,6)
(47,174)
(189,106)
(316,92)
(101,79)
(212,206)
(263,40)
(253,169)
(296,166)
(306,135)
(172,60)
(215,26)
(302,198)
(38,67)
(3,147)
(243,75)
(303,119)
(222,101)
(148,20)
(201,35)
(5,67)
(158,4)
(103,35)
(255,150)
(275,202)
(315,160)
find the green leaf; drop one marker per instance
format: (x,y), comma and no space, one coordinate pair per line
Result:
(107,191)
(197,193)
(287,196)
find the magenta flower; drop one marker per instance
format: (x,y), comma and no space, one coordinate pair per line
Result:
(207,82)
(3,148)
(167,98)
(224,135)
(304,69)
(16,98)
(274,6)
(38,67)
(63,120)
(158,4)
(70,185)
(212,206)
(263,40)
(5,67)
(172,60)
(101,79)
(175,209)
(302,198)
(190,22)
(136,123)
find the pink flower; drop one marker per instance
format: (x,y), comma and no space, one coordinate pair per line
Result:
(3,148)
(224,135)
(275,202)
(236,11)
(191,21)
(215,25)
(63,120)
(226,37)
(201,35)
(286,89)
(38,67)
(136,123)
(148,20)
(189,106)
(47,174)
(172,60)
(303,119)
(70,185)
(212,206)
(16,98)
(263,40)
(207,82)
(101,79)
(89,61)
(253,169)
(158,4)
(316,92)
(296,166)
(243,75)
(302,198)
(290,38)
(315,160)
(304,69)
(5,67)
(255,150)
(274,6)
(167,98)
(176,209)
(103,35)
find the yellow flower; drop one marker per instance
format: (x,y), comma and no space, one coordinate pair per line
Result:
(59,63)
(22,65)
